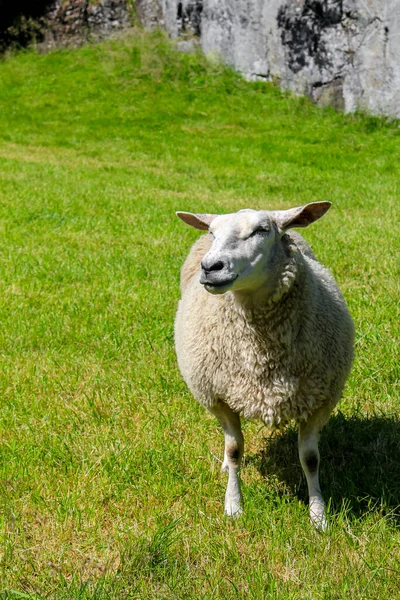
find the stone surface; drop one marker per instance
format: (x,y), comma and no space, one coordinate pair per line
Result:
(50,23)
(74,21)
(181,18)
(187,46)
(344,53)
(151,13)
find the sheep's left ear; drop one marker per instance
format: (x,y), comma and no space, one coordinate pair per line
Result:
(198,221)
(301,216)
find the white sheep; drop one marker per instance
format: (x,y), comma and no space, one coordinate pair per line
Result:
(262,331)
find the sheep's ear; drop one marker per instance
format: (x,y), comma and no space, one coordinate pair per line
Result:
(198,221)
(301,216)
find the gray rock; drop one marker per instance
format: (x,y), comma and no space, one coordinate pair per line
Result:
(344,53)
(187,46)
(178,18)
(152,13)
(73,21)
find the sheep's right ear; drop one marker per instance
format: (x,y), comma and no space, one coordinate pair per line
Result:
(198,221)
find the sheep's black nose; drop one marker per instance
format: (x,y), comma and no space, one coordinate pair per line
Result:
(218,266)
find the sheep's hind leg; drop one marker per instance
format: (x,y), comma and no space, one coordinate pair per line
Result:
(234,446)
(309,433)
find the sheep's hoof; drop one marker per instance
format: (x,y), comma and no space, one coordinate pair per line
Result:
(233,510)
(319,521)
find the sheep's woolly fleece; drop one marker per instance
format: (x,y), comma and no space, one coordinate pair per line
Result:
(275,362)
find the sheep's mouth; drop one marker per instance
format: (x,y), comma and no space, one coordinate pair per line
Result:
(218,286)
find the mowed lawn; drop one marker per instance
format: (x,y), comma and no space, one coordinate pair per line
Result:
(110,484)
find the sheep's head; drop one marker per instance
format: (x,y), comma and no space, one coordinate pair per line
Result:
(245,243)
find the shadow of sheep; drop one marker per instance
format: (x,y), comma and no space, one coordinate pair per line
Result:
(360,464)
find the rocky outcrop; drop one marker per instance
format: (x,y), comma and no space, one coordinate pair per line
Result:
(178,18)
(52,23)
(72,21)
(344,53)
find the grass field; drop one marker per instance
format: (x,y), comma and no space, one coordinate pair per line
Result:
(110,486)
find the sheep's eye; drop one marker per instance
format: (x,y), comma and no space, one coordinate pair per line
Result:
(258,231)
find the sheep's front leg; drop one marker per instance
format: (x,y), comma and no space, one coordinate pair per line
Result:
(234,446)
(309,433)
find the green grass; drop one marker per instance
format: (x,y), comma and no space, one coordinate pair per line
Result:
(109,484)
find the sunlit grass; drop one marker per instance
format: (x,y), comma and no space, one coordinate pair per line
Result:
(109,483)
